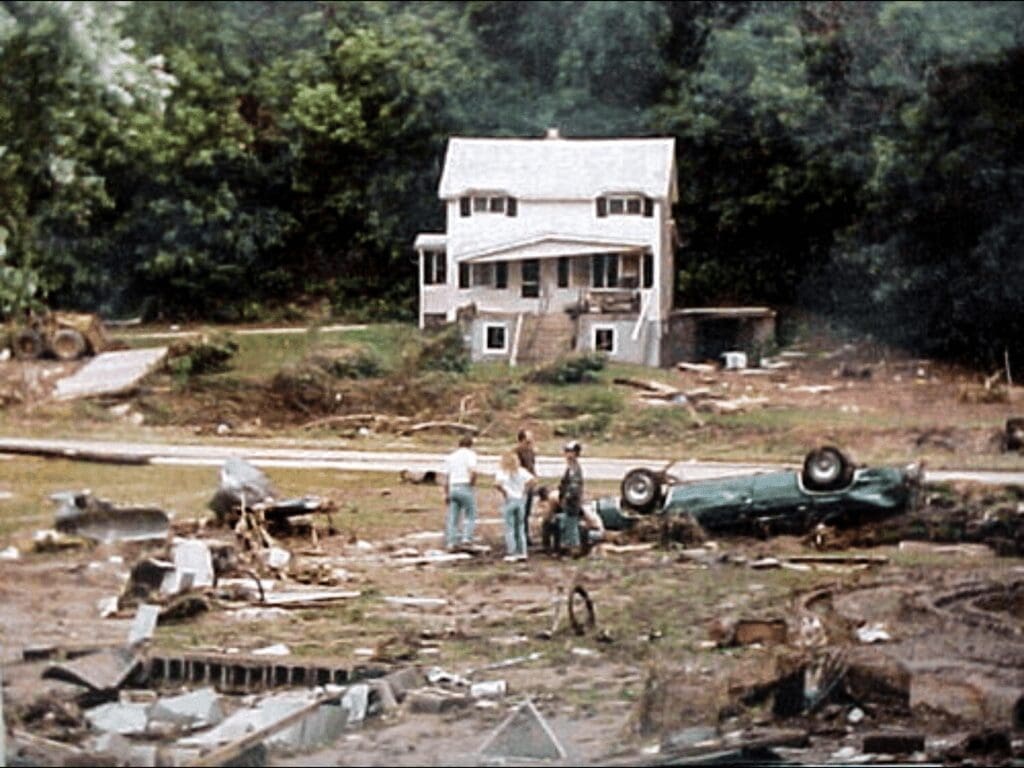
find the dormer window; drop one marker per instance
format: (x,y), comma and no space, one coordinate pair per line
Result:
(477,204)
(625,205)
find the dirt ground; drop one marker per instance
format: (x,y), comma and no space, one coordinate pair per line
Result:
(666,659)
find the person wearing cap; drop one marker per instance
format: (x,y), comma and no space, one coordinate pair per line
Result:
(570,497)
(459,495)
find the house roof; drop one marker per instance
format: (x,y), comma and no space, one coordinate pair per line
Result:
(559,169)
(430,241)
(550,246)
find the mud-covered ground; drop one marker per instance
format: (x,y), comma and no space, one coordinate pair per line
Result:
(695,649)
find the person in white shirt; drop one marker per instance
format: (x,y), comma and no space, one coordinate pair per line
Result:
(460,468)
(514,482)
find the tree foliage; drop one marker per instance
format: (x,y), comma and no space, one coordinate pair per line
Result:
(218,160)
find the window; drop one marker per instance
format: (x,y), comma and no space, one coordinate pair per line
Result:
(488,204)
(495,337)
(463,275)
(434,268)
(604,270)
(563,271)
(530,274)
(625,205)
(648,269)
(482,275)
(604,339)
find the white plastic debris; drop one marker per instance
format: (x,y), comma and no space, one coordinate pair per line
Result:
(873,633)
(278,649)
(437,675)
(855,716)
(488,689)
(10,553)
(585,652)
(276,558)
(107,606)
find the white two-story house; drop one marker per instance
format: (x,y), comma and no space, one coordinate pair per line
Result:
(554,245)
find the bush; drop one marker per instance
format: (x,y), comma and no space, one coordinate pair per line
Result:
(356,362)
(207,355)
(443,351)
(579,369)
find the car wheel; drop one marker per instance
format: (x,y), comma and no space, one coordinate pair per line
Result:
(27,344)
(641,489)
(68,344)
(826,469)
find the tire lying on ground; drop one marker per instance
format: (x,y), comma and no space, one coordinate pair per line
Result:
(641,489)
(67,344)
(826,469)
(27,344)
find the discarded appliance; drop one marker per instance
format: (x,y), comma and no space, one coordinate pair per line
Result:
(82,514)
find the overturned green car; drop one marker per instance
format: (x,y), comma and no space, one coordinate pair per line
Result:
(829,490)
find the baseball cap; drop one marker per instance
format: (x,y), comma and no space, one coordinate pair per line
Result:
(573,446)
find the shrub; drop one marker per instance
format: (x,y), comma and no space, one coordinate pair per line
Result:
(443,351)
(578,369)
(207,355)
(356,362)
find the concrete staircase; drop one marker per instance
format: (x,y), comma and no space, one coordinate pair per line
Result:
(545,338)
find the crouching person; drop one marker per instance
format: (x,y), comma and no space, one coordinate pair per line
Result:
(514,482)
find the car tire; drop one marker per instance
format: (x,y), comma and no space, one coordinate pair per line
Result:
(67,344)
(27,344)
(641,489)
(826,469)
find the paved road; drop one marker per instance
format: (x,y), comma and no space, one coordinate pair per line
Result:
(594,468)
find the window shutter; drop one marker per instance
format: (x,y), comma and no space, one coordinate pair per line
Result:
(648,207)
(463,275)
(501,274)
(511,207)
(602,207)
(464,203)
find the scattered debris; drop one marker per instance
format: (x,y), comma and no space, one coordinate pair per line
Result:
(145,623)
(82,514)
(429,477)
(10,553)
(872,633)
(103,671)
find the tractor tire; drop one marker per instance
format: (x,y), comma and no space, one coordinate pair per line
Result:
(27,344)
(68,344)
(641,490)
(826,469)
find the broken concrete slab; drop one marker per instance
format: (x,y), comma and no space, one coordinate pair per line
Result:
(524,734)
(144,625)
(105,670)
(435,701)
(195,709)
(82,514)
(124,718)
(110,373)
(356,701)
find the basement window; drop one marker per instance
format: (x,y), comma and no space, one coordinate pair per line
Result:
(495,337)
(604,339)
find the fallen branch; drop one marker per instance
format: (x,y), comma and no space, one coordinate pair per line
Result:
(100,457)
(649,385)
(355,418)
(451,425)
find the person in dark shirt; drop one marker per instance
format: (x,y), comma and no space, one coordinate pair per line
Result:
(528,461)
(570,497)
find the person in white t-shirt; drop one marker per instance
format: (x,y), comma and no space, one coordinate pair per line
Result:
(459,495)
(514,482)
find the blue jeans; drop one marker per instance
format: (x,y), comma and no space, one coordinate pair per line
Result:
(461,502)
(514,511)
